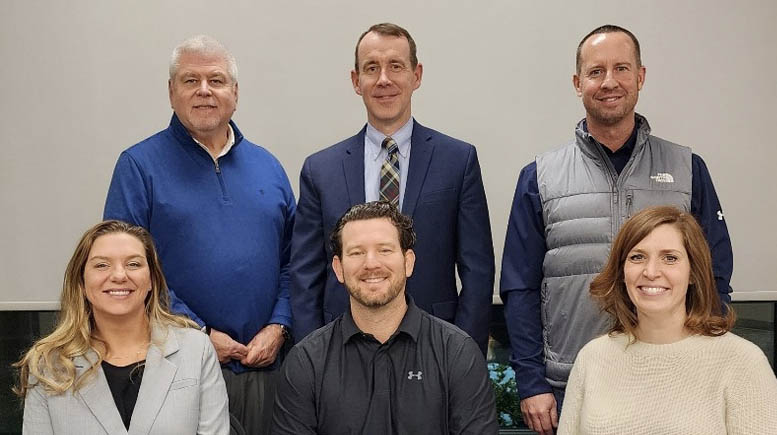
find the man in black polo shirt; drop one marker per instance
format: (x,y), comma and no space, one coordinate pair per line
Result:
(385,366)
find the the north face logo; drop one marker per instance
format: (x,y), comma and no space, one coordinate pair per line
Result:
(662,177)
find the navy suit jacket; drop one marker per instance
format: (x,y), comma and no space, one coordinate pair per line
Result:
(444,195)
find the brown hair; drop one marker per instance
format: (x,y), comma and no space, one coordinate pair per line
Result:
(702,303)
(608,28)
(49,360)
(388,29)
(374,210)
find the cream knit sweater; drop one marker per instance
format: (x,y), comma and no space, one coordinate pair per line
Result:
(699,385)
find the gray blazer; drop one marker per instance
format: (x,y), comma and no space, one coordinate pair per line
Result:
(182,392)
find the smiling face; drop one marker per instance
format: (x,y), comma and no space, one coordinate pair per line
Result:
(656,272)
(203,95)
(386,80)
(373,267)
(609,79)
(117,277)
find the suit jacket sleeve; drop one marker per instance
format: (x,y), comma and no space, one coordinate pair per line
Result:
(129,200)
(474,256)
(36,413)
(214,409)
(308,259)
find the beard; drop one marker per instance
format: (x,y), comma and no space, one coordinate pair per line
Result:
(373,299)
(610,117)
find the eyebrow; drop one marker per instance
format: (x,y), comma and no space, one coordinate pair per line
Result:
(208,74)
(100,257)
(378,244)
(661,251)
(592,65)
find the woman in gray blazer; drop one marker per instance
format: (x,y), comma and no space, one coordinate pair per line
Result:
(118,362)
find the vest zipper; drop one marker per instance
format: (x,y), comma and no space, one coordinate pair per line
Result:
(629,195)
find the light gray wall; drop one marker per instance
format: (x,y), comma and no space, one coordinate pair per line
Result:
(83,80)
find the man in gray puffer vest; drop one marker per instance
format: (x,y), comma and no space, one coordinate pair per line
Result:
(568,207)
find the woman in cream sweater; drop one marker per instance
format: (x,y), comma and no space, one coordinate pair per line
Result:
(669,364)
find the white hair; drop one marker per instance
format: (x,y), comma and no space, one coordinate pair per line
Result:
(205,45)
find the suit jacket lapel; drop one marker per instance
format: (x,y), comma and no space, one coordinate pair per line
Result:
(157,377)
(353,168)
(421,149)
(97,396)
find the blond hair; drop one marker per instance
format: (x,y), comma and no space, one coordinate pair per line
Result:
(50,360)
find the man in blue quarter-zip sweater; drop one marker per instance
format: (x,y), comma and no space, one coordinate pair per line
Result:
(221,211)
(568,206)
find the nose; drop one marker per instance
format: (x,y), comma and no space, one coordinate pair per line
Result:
(383,79)
(119,274)
(371,260)
(203,89)
(652,270)
(609,81)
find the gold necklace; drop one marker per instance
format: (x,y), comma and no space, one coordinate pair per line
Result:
(110,356)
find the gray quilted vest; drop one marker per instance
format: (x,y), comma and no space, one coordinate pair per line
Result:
(584,203)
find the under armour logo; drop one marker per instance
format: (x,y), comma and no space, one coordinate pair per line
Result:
(720,215)
(662,177)
(411,375)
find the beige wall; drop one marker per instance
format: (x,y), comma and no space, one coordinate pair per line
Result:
(82,80)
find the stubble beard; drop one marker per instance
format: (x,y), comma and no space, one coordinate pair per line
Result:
(611,117)
(368,300)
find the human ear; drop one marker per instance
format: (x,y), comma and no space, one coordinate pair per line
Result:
(337,267)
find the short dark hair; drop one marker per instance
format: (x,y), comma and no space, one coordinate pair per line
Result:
(374,210)
(388,29)
(702,303)
(608,28)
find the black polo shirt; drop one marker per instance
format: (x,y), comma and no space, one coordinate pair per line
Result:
(428,378)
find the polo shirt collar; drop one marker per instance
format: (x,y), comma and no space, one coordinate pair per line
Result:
(410,324)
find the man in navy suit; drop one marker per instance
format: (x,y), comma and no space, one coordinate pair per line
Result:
(436,181)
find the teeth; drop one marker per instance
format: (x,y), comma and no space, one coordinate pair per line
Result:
(119,292)
(653,290)
(373,280)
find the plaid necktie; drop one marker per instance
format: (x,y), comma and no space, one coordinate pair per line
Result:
(389,173)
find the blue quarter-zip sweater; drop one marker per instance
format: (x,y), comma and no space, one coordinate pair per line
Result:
(222,230)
